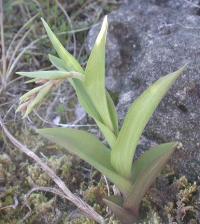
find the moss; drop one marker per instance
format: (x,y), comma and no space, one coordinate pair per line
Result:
(183,209)
(152,217)
(5,159)
(36,200)
(94,194)
(8,200)
(37,177)
(112,220)
(42,208)
(60,164)
(81,220)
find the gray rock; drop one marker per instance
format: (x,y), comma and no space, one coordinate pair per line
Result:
(148,39)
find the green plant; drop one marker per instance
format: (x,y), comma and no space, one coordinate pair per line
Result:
(116,161)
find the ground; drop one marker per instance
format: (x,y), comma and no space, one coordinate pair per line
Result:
(171,199)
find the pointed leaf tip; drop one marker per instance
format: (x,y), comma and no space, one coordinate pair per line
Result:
(69,59)
(103,31)
(43,21)
(95,83)
(145,171)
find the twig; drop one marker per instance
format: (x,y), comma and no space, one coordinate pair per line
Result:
(84,207)
(46,189)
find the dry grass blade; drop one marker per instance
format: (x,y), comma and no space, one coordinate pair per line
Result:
(20,31)
(84,207)
(15,52)
(70,24)
(2,39)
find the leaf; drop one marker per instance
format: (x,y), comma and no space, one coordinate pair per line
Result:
(84,97)
(58,63)
(122,214)
(145,171)
(72,63)
(88,148)
(31,80)
(115,199)
(135,121)
(51,75)
(108,134)
(69,60)
(95,76)
(89,107)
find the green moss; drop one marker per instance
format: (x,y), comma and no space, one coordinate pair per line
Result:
(60,164)
(81,220)
(37,177)
(184,208)
(42,208)
(95,194)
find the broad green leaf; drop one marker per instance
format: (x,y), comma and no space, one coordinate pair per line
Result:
(135,121)
(51,75)
(88,148)
(58,63)
(145,171)
(70,61)
(121,213)
(95,76)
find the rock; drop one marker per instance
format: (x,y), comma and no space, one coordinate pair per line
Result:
(148,39)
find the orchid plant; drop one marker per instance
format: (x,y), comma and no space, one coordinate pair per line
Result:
(114,160)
